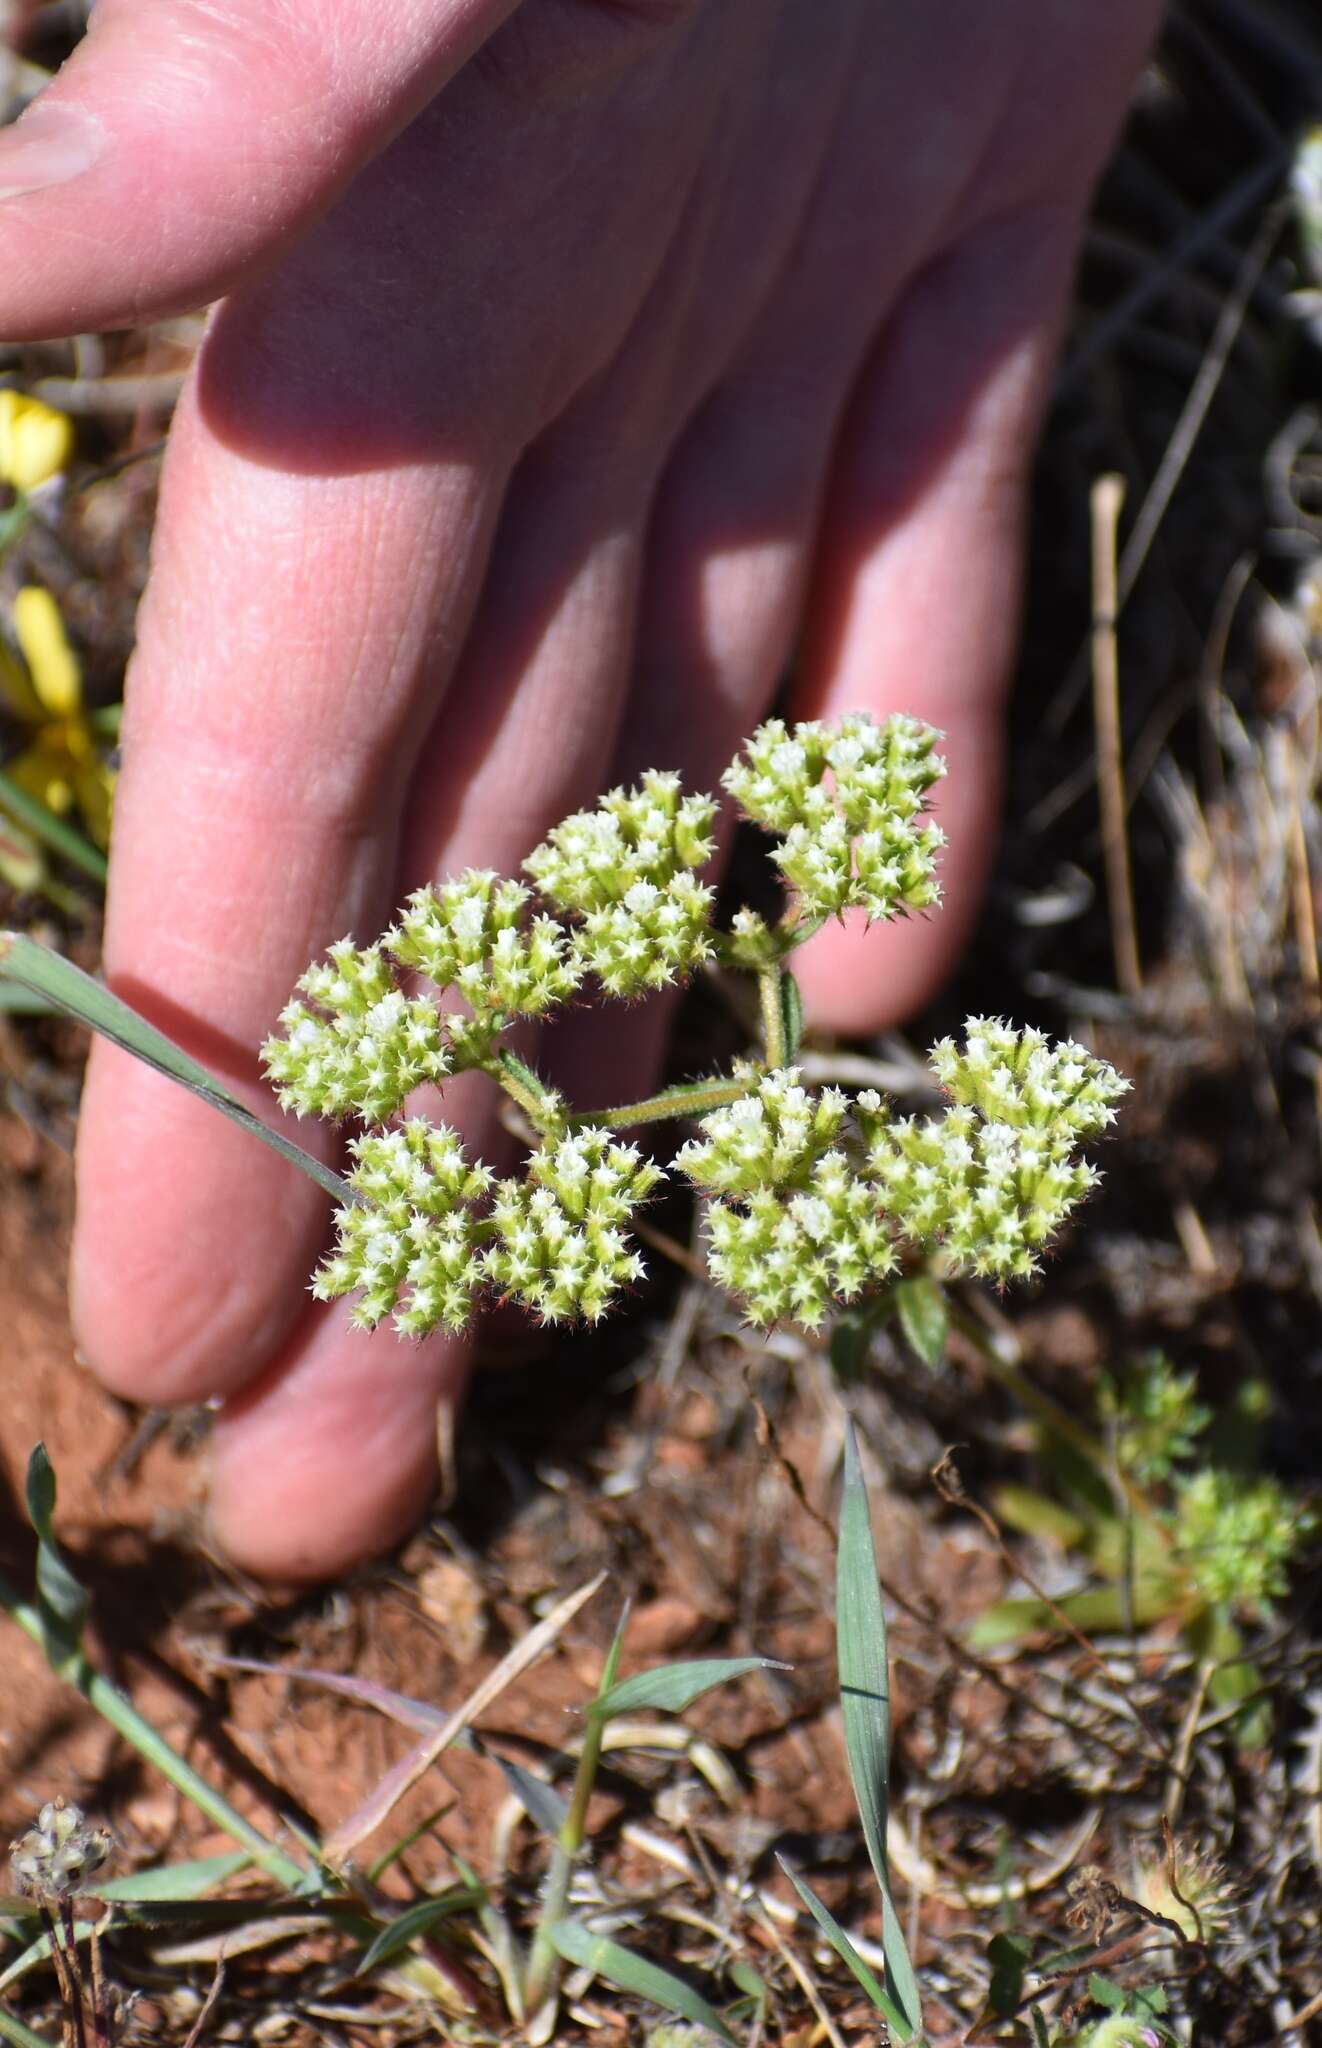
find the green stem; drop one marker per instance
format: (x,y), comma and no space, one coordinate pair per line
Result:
(543,1960)
(773,1016)
(543,1972)
(689,1098)
(123,1716)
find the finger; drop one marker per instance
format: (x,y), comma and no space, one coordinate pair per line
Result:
(184,140)
(914,604)
(330,1457)
(524,735)
(255,824)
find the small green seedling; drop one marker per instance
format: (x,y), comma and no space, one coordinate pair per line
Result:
(1168,1526)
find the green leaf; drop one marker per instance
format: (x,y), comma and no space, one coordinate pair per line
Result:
(851,1335)
(175,1880)
(60,1598)
(791,1015)
(1032,1514)
(48,974)
(416,1920)
(635,1974)
(865,1706)
(848,1954)
(924,1318)
(672,1687)
(543,1805)
(1105,1992)
(1041,2038)
(1009,1956)
(1097,1610)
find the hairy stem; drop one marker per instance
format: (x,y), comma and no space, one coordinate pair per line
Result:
(690,1098)
(773,1016)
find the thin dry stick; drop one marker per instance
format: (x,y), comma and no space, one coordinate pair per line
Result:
(69,1997)
(1201,394)
(100,2001)
(1105,500)
(208,2004)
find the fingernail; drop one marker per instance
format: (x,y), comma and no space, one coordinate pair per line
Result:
(49,146)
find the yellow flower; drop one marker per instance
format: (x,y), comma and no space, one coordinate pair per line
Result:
(61,765)
(36,442)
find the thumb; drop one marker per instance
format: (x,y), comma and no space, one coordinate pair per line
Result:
(185,140)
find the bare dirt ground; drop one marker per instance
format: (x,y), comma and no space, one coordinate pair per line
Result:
(697,1466)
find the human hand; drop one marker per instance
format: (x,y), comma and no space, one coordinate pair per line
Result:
(581,359)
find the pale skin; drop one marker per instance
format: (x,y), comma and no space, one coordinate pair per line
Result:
(579,362)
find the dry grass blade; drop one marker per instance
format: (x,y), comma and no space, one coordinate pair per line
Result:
(385,1796)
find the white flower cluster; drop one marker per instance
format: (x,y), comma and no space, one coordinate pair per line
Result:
(357,1045)
(770,1138)
(994,1178)
(560,1247)
(847,800)
(627,870)
(473,934)
(411,1245)
(791,1226)
(1020,1077)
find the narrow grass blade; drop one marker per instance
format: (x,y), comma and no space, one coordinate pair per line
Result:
(62,838)
(672,1687)
(73,1667)
(865,1706)
(22,2037)
(543,1805)
(61,1600)
(376,1871)
(405,1774)
(417,1920)
(847,1953)
(175,1880)
(48,974)
(635,1974)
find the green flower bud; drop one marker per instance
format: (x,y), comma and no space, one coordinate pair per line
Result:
(409,1247)
(474,935)
(560,1245)
(848,801)
(358,1045)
